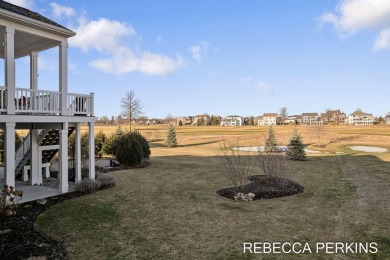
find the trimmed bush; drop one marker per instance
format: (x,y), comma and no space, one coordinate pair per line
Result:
(88,185)
(106,180)
(270,141)
(131,149)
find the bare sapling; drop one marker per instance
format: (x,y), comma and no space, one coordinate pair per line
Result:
(236,162)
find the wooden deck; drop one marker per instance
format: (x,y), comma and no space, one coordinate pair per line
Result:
(29,192)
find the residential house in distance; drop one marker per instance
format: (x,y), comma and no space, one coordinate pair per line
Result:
(232,121)
(387,119)
(206,119)
(360,118)
(49,116)
(290,120)
(183,120)
(333,117)
(310,119)
(268,119)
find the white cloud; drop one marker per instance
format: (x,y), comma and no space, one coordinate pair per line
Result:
(60,11)
(198,51)
(383,40)
(352,16)
(111,38)
(29,4)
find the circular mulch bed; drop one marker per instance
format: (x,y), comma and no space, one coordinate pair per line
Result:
(264,187)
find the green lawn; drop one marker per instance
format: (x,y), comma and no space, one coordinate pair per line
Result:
(170,210)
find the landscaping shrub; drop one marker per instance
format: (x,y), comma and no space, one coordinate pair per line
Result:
(296,148)
(236,163)
(8,200)
(275,164)
(110,144)
(170,140)
(144,143)
(100,139)
(106,180)
(88,185)
(270,141)
(131,149)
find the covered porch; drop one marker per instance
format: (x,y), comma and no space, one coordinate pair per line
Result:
(30,192)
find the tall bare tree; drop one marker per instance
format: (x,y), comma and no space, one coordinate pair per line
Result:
(283,114)
(131,107)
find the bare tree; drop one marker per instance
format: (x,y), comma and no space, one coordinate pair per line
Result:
(283,114)
(131,107)
(319,131)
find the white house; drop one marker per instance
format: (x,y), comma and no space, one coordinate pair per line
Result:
(387,119)
(268,119)
(50,116)
(232,121)
(360,118)
(310,118)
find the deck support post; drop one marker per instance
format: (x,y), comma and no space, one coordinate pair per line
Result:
(91,146)
(63,159)
(9,154)
(78,153)
(34,161)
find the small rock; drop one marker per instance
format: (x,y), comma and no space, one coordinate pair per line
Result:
(251,195)
(42,201)
(5,231)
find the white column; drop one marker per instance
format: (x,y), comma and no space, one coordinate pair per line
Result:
(63,80)
(78,153)
(9,154)
(34,163)
(63,159)
(9,66)
(33,76)
(91,147)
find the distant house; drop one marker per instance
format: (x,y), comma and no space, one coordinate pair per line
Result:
(205,117)
(333,117)
(310,119)
(387,119)
(360,118)
(290,120)
(232,121)
(268,119)
(184,120)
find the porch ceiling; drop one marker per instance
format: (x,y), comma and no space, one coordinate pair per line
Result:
(26,43)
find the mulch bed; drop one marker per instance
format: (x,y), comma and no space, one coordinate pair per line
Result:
(264,187)
(19,239)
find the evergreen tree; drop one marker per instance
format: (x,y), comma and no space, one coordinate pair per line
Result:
(296,148)
(270,141)
(252,120)
(170,140)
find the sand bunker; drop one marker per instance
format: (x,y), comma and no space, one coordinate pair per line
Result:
(368,149)
(261,149)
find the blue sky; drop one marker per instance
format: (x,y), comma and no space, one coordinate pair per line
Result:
(223,57)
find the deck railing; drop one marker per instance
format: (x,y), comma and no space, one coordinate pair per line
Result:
(32,101)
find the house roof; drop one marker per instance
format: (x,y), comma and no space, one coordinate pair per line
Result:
(309,114)
(388,116)
(22,15)
(28,13)
(270,114)
(360,113)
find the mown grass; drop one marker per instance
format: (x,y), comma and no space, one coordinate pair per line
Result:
(170,210)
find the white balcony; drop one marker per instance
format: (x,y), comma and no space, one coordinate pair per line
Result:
(45,102)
